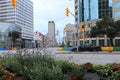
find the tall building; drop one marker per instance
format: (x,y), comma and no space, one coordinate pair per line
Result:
(51,29)
(92,9)
(88,12)
(116,9)
(21,15)
(105,8)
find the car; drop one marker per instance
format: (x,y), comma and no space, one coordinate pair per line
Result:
(86,47)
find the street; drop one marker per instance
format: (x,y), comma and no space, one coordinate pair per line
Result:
(84,57)
(90,57)
(77,57)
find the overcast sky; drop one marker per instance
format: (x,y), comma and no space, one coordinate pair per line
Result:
(51,10)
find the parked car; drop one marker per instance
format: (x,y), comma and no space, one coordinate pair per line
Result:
(87,47)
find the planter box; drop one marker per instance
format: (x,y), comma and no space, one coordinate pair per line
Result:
(116,48)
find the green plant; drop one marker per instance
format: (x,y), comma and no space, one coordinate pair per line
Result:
(115,66)
(65,66)
(104,71)
(78,72)
(88,67)
(37,66)
(33,67)
(115,75)
(5,75)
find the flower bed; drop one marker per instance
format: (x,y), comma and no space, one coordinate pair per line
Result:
(43,67)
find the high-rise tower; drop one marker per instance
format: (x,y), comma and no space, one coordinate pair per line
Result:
(51,29)
(92,9)
(21,15)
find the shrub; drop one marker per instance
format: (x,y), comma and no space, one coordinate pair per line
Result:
(104,71)
(115,75)
(32,67)
(5,75)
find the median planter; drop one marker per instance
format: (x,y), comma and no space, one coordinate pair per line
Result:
(116,48)
(107,48)
(69,48)
(3,49)
(64,48)
(59,48)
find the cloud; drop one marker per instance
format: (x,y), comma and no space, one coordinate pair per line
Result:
(47,10)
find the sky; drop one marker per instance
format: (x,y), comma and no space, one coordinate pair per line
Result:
(52,10)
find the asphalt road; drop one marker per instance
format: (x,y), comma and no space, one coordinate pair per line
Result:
(84,57)
(76,57)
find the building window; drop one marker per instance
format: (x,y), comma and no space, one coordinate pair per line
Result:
(81,43)
(101,42)
(93,42)
(117,5)
(117,14)
(117,42)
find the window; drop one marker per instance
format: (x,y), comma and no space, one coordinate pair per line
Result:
(117,42)
(93,42)
(117,14)
(101,42)
(81,43)
(117,5)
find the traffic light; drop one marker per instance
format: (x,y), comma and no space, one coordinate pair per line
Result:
(13,2)
(80,29)
(83,36)
(67,12)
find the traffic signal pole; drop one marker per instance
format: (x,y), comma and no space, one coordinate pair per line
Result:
(67,14)
(72,14)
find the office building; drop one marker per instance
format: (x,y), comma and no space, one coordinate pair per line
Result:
(116,9)
(68,34)
(90,11)
(21,15)
(104,8)
(51,29)
(86,10)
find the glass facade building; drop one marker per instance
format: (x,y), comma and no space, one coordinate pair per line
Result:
(92,9)
(116,9)
(117,5)
(105,8)
(5,39)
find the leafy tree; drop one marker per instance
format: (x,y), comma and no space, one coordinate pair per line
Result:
(15,35)
(117,25)
(105,26)
(93,32)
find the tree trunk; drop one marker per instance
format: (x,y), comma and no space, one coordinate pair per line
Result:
(111,41)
